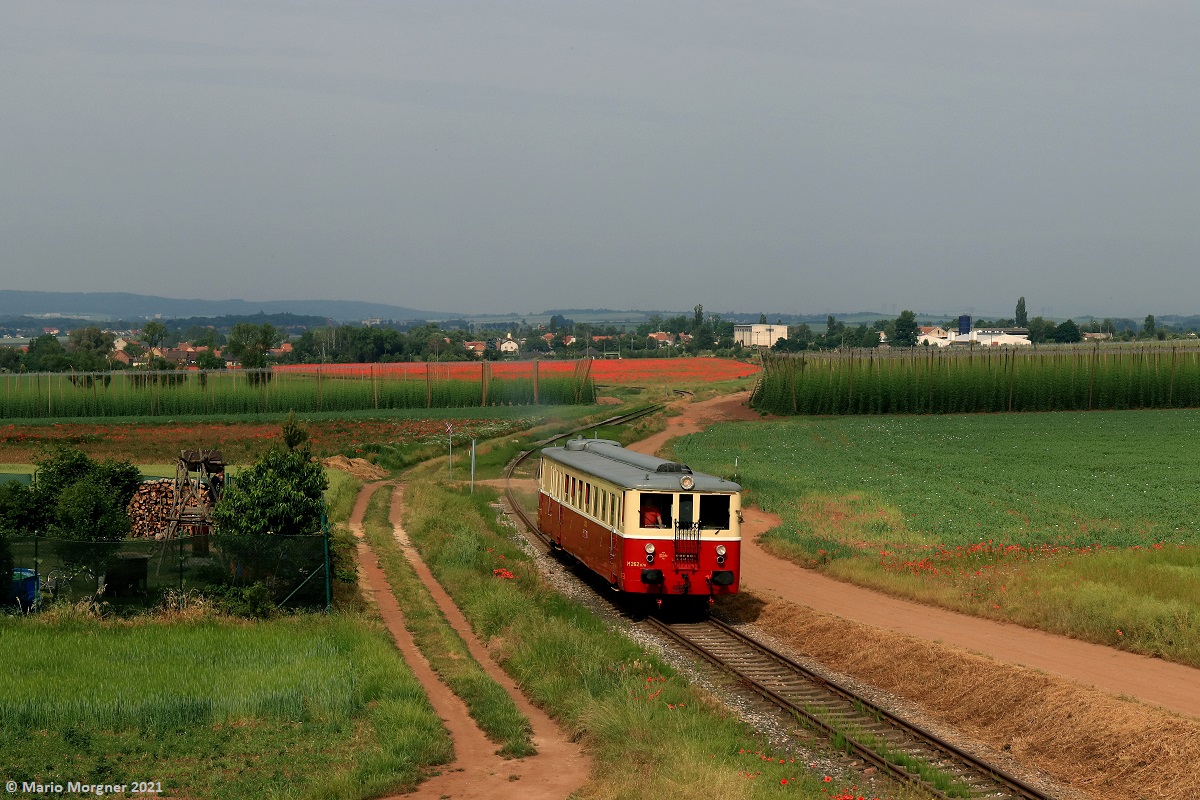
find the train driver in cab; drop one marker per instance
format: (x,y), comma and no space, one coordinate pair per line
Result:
(651,516)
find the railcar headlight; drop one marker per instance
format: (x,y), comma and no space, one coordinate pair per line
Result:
(686,482)
(720,549)
(649,548)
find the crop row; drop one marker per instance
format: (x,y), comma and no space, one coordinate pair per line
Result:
(149,394)
(605,371)
(932,382)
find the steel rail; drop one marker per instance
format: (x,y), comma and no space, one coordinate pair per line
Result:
(1009,784)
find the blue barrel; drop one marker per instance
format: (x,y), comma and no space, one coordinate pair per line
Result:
(24,588)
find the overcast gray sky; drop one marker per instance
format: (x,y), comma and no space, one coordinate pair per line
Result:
(517,156)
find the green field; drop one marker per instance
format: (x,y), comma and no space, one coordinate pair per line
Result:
(221,392)
(293,707)
(1081,523)
(930,380)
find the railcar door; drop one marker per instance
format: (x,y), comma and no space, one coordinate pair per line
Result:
(687,535)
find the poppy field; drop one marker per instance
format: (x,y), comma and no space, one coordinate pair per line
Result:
(1080,523)
(618,372)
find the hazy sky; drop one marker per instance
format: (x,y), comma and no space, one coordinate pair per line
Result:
(517,156)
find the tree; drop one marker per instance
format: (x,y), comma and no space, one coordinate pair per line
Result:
(1148,327)
(153,333)
(295,435)
(1041,330)
(249,344)
(19,516)
(906,330)
(697,318)
(282,494)
(82,505)
(91,340)
(207,359)
(1067,333)
(1021,318)
(10,359)
(46,354)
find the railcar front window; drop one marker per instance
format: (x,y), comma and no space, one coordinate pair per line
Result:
(685,510)
(714,511)
(656,510)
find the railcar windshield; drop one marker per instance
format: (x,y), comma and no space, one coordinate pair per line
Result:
(656,510)
(714,511)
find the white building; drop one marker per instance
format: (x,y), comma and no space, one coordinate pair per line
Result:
(759,335)
(994,337)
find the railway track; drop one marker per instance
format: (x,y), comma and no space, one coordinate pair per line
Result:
(894,746)
(865,730)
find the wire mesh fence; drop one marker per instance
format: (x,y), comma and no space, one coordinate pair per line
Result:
(293,570)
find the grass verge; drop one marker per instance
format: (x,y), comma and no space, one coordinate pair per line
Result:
(297,707)
(649,733)
(489,704)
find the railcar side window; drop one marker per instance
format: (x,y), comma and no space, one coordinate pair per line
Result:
(714,511)
(656,510)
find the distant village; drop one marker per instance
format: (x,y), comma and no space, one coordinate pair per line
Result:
(251,343)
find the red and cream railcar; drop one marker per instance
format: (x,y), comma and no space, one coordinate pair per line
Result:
(647,525)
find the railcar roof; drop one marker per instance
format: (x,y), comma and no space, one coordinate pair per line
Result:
(609,461)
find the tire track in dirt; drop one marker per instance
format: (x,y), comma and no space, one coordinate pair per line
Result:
(558,769)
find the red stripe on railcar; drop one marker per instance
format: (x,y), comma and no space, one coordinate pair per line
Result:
(622,560)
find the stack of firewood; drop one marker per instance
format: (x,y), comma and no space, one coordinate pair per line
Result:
(150,509)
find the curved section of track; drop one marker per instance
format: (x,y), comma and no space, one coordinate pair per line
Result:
(868,731)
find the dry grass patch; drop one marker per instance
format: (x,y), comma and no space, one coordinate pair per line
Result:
(1086,738)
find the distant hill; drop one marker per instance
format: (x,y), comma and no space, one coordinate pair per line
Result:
(125,305)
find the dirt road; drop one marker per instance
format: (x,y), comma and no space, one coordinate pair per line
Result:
(558,769)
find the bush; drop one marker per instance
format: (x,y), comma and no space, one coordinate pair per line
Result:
(254,601)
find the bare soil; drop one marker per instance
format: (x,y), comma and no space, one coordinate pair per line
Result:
(558,769)
(358,467)
(1105,722)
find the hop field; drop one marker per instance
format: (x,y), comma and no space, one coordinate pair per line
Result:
(934,381)
(227,392)
(1081,523)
